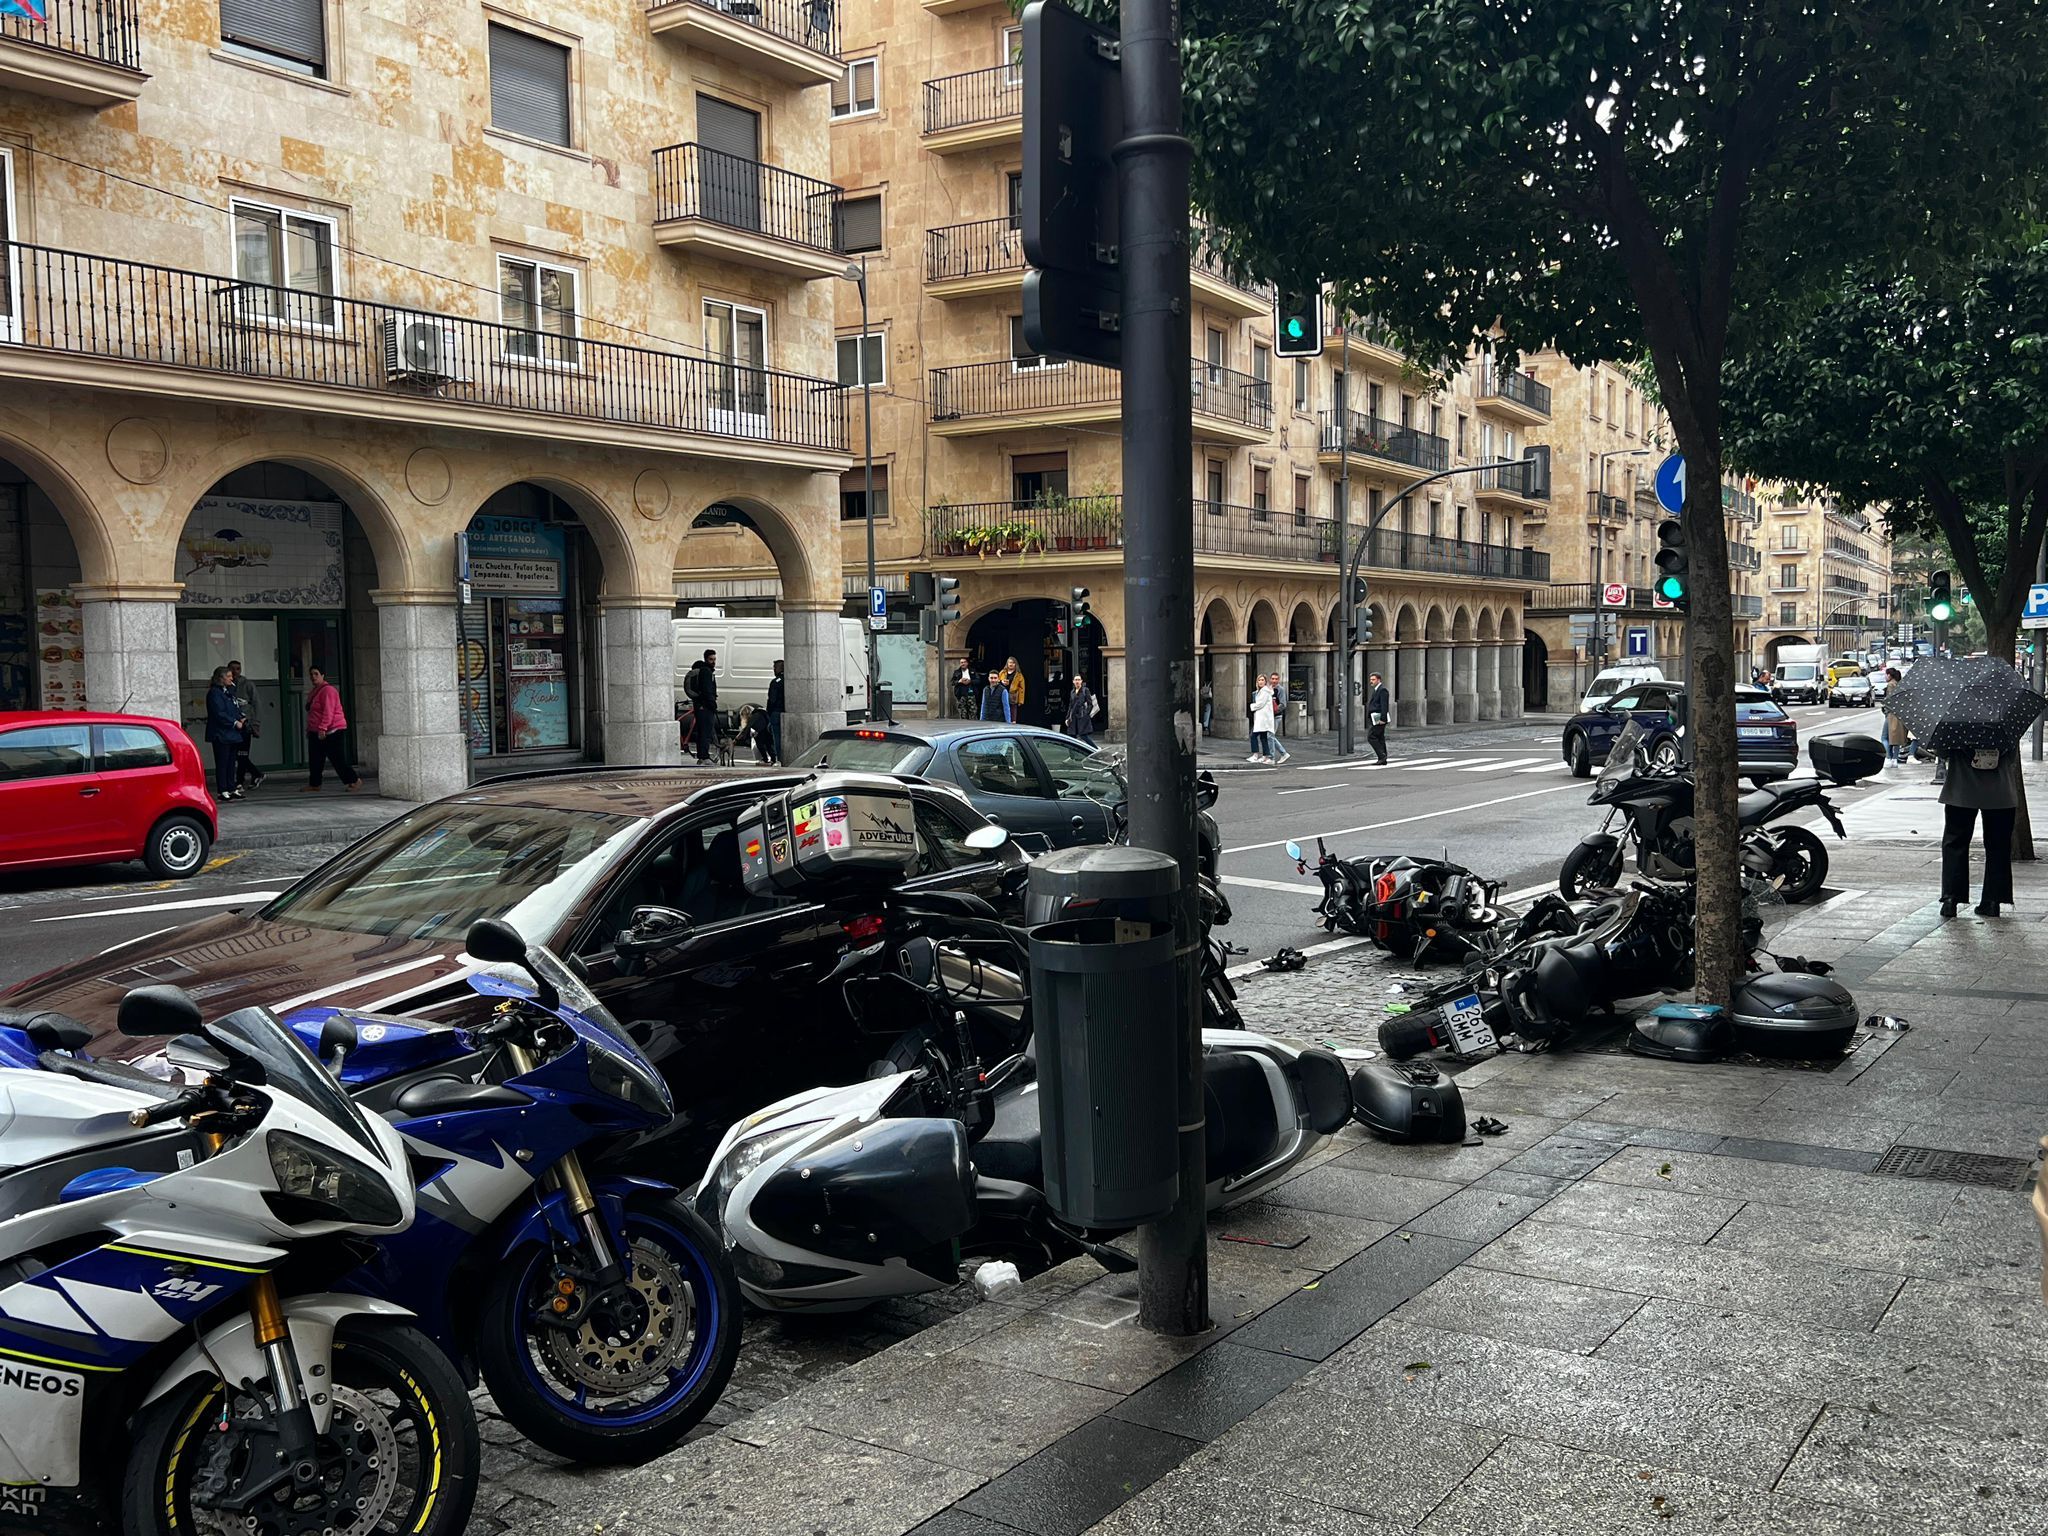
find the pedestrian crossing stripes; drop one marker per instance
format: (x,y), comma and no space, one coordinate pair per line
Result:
(1441,762)
(1490,766)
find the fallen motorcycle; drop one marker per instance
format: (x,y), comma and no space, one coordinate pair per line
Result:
(1421,909)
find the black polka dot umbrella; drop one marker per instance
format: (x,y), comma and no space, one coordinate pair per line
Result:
(1956,705)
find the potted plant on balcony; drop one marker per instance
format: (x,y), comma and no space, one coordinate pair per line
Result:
(1059,510)
(1326,543)
(1100,518)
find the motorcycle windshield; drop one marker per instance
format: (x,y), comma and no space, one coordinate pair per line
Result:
(1623,758)
(608,1042)
(256,1035)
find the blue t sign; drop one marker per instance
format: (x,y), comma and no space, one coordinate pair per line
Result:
(1671,484)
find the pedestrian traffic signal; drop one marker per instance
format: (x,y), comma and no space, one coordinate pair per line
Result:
(1674,565)
(1298,324)
(1941,601)
(949,599)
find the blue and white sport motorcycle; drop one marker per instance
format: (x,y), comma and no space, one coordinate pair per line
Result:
(173,1349)
(600,1310)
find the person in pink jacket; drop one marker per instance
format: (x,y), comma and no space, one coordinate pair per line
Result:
(325,724)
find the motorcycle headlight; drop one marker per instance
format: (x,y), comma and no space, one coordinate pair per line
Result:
(751,1153)
(619,1077)
(316,1183)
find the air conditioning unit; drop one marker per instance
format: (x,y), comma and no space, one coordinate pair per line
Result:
(420,349)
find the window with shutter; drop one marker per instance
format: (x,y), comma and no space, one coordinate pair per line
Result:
(860,224)
(290,33)
(853,494)
(853,93)
(860,360)
(529,86)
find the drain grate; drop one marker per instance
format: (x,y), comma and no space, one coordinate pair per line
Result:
(1956,1167)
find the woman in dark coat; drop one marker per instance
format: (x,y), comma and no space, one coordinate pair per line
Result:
(226,730)
(1979,783)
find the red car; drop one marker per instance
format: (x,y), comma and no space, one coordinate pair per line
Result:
(81,788)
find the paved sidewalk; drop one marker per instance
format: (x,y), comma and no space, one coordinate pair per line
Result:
(279,815)
(1670,1298)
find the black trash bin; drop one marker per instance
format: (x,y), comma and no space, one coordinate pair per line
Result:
(1102,992)
(1105,880)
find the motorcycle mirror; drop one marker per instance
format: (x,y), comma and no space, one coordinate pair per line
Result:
(495,942)
(149,1012)
(919,962)
(337,1040)
(195,1056)
(989,838)
(1293,851)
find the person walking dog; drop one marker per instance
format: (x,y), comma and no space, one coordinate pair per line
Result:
(325,724)
(1379,708)
(1983,783)
(225,727)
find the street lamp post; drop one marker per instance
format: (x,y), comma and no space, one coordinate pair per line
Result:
(857,274)
(1600,552)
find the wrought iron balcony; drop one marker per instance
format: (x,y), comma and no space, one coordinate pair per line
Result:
(87,51)
(963,253)
(1585,597)
(1371,436)
(1514,388)
(1511,477)
(1021,387)
(1744,557)
(695,184)
(793,40)
(75,317)
(975,99)
(1748,605)
(1215,282)
(1231,397)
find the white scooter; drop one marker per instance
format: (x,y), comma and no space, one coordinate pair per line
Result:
(143,1325)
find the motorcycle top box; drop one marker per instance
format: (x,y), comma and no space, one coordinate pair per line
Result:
(1408,1101)
(1794,1015)
(833,832)
(1846,759)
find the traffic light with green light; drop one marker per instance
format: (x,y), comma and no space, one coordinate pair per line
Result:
(1941,600)
(1298,324)
(1674,565)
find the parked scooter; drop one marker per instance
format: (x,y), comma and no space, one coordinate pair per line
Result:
(840,1197)
(145,1318)
(1655,806)
(1421,909)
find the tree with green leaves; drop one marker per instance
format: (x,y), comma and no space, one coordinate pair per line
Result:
(1616,178)
(1926,398)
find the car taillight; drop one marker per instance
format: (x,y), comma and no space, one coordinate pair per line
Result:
(861,929)
(871,735)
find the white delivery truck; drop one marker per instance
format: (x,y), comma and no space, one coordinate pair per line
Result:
(747,652)
(1801,676)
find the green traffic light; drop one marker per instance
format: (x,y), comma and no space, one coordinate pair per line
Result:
(1941,613)
(1295,329)
(1671,588)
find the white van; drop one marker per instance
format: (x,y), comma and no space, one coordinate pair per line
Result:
(1611,680)
(747,652)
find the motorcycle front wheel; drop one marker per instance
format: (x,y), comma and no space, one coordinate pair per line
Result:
(642,1368)
(400,1452)
(1589,868)
(1801,864)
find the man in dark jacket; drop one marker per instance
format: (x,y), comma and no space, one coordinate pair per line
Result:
(775,697)
(701,684)
(1379,709)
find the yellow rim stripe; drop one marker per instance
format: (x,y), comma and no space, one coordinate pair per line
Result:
(187,1258)
(69,1365)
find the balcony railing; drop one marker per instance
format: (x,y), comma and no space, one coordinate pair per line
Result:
(1605,509)
(1384,440)
(1203,258)
(1503,384)
(978,96)
(130,312)
(1230,395)
(1748,605)
(993,529)
(984,248)
(1511,475)
(1744,557)
(812,24)
(1013,386)
(694,181)
(107,30)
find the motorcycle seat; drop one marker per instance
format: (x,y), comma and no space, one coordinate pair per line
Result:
(1012,1147)
(451,1095)
(1761,803)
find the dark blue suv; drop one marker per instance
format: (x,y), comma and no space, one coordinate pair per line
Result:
(1766,739)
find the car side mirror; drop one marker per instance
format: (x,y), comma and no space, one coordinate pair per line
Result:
(495,942)
(650,932)
(150,1012)
(196,1056)
(989,838)
(1013,879)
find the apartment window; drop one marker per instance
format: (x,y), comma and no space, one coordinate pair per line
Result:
(1788,575)
(1436,420)
(1592,397)
(1788,536)
(539,302)
(529,85)
(1407,410)
(736,336)
(1486,527)
(1436,519)
(1458,528)
(1022,358)
(1373,395)
(853,94)
(1262,492)
(1628,402)
(1372,506)
(1216,342)
(1301,384)
(1215,485)
(1262,373)
(10,267)
(1788,615)
(1036,476)
(1464,435)
(853,494)
(286,257)
(1013,56)
(861,361)
(1301,501)
(1013,197)
(291,34)
(1610,402)
(857,224)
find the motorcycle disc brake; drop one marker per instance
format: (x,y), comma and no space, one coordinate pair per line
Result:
(634,1333)
(349,1494)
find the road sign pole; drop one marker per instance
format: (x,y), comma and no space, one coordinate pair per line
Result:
(1346,726)
(2040,639)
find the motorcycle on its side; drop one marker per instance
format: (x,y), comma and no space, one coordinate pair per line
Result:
(1428,911)
(175,1347)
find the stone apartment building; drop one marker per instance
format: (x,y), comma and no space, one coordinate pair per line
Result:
(1827,576)
(1003,468)
(302,297)
(1607,437)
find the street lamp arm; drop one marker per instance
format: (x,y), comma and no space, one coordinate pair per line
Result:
(1352,566)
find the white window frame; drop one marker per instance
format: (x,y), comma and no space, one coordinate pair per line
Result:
(574,339)
(1030,362)
(246,316)
(739,422)
(10,195)
(860,340)
(854,109)
(1011,57)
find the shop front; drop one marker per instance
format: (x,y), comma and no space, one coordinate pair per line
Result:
(521,645)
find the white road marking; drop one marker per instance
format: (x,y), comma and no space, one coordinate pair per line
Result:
(1291,887)
(1328,946)
(1308,791)
(240,899)
(1556,765)
(1516,763)
(1402,821)
(1405,762)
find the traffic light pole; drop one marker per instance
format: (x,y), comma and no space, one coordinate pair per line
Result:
(1159,603)
(1346,719)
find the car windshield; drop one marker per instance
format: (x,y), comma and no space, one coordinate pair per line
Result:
(1798,672)
(867,753)
(430,875)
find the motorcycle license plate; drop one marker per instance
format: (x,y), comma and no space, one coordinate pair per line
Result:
(1757,732)
(1466,1020)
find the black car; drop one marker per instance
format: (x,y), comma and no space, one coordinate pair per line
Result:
(732,1013)
(1766,738)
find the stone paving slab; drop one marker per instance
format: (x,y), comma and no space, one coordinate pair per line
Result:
(1211,1501)
(1998,1256)
(1638,1212)
(1318,1320)
(1944,1314)
(1522,1309)
(1305,1237)
(1739,1178)
(1953,1478)
(1080,1478)
(1342,1189)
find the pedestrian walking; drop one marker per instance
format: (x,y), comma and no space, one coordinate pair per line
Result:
(325,724)
(246,771)
(1895,732)
(964,691)
(776,706)
(1262,722)
(995,700)
(1275,747)
(225,724)
(701,684)
(1013,678)
(1208,697)
(1379,708)
(1985,783)
(1082,708)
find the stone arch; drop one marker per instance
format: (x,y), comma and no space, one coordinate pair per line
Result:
(1302,628)
(1436,626)
(804,575)
(1461,625)
(624,564)
(1225,626)
(99,556)
(1487,633)
(1408,624)
(1510,624)
(1262,625)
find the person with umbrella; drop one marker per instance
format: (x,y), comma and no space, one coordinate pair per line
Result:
(1971,714)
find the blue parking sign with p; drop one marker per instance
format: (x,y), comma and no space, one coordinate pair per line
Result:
(2037,601)
(878,603)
